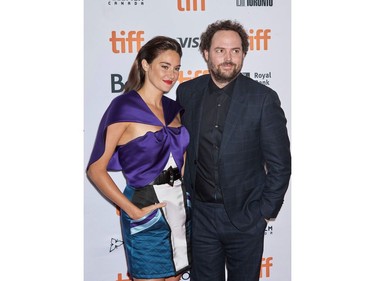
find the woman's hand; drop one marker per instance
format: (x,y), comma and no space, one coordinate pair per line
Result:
(140,213)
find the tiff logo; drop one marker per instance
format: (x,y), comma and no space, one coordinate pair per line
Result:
(189,74)
(185,5)
(123,43)
(262,35)
(266,266)
(120,278)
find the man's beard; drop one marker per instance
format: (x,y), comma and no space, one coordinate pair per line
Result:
(223,77)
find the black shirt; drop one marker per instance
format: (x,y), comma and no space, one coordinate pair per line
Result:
(215,108)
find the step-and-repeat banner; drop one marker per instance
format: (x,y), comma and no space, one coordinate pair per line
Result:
(114,32)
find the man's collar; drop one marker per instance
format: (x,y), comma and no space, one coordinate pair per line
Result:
(228,89)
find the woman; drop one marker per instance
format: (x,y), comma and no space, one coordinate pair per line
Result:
(141,135)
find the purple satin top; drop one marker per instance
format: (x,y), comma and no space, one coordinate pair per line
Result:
(144,158)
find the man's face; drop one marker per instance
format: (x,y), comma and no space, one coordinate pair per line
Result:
(225,57)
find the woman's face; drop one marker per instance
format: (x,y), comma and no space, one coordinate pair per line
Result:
(164,70)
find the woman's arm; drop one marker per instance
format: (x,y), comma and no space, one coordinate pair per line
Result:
(98,174)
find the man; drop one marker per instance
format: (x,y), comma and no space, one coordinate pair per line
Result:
(238,161)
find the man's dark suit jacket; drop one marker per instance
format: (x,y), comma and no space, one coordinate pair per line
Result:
(254,157)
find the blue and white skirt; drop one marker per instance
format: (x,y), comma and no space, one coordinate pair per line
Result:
(158,244)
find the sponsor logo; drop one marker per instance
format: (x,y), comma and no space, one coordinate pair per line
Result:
(258,39)
(115,243)
(190,74)
(265,268)
(268,230)
(126,41)
(118,83)
(125,2)
(191,5)
(188,42)
(120,278)
(263,78)
(254,3)
(123,41)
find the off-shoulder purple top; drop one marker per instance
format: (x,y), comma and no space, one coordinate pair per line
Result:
(144,158)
